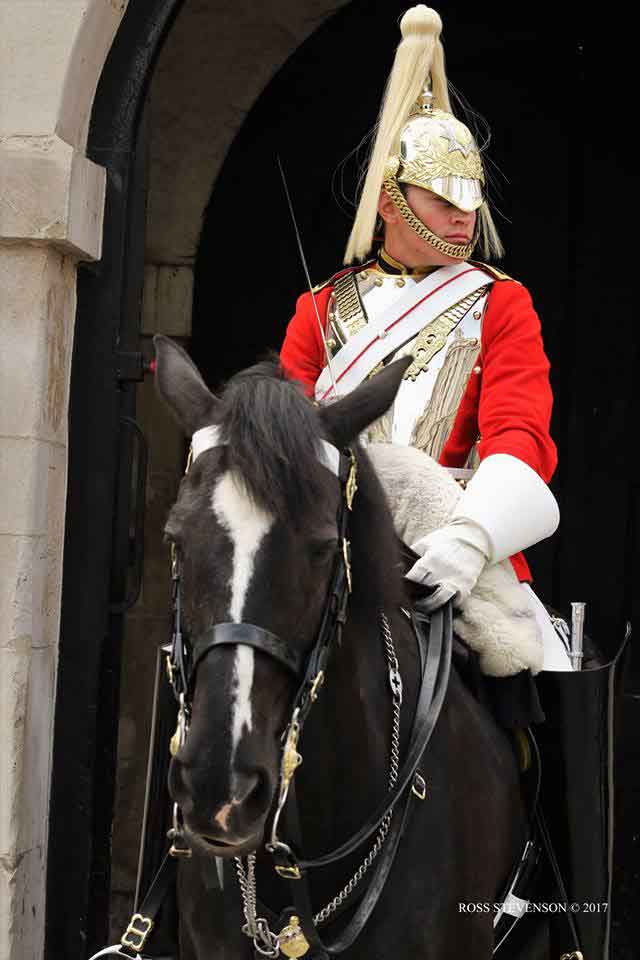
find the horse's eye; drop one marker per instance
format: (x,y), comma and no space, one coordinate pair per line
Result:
(320,549)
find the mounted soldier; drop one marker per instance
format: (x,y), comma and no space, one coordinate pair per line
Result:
(478,387)
(476,397)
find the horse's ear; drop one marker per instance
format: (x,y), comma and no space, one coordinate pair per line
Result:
(180,385)
(347,418)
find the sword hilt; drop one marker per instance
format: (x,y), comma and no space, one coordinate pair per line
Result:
(577,634)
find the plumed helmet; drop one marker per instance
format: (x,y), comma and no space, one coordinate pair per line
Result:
(420,142)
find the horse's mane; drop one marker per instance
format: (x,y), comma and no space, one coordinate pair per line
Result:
(264,412)
(272,434)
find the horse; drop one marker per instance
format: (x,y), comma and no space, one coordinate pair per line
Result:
(255,526)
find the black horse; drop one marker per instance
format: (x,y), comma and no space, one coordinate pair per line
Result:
(255,526)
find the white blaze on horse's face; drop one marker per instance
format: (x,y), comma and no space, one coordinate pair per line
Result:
(247,525)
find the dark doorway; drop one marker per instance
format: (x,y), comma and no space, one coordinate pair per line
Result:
(536,80)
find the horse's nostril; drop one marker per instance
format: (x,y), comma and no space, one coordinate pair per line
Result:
(252,792)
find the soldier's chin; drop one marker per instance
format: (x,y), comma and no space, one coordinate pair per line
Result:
(226,847)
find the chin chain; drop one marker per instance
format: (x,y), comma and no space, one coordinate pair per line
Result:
(461,251)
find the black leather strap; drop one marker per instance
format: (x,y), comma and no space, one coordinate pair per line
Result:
(246,633)
(433,688)
(152,903)
(368,899)
(436,659)
(557,874)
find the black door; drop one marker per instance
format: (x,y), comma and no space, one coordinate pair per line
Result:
(105,500)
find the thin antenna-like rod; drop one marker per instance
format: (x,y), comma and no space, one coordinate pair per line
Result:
(308,278)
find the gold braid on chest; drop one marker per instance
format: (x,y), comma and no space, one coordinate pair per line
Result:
(348,316)
(434,336)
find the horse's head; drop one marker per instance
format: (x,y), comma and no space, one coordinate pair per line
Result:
(255,526)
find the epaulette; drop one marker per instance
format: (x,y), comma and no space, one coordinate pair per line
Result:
(494,271)
(341,273)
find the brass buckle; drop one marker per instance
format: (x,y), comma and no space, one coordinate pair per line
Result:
(347,563)
(419,788)
(318,681)
(134,936)
(169,669)
(177,852)
(351,485)
(291,759)
(288,872)
(178,847)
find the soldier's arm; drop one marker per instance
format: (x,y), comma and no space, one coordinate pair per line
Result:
(302,354)
(515,399)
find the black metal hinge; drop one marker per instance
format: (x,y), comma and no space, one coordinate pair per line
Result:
(131,367)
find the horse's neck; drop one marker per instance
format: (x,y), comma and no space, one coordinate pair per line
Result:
(348,746)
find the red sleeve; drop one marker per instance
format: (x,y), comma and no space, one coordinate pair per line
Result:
(302,353)
(508,398)
(514,410)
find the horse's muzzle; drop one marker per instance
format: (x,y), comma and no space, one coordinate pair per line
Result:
(230,819)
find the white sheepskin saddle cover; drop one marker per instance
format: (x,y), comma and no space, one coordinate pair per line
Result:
(497,620)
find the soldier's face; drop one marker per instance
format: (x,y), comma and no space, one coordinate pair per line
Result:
(441,217)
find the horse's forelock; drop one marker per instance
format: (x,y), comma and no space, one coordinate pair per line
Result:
(272,432)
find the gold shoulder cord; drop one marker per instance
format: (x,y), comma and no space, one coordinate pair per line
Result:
(349,307)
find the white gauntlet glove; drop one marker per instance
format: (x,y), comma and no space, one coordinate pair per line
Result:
(452,558)
(506,508)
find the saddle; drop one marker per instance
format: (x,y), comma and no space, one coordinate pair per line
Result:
(512,701)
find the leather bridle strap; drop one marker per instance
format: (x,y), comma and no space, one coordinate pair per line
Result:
(234,634)
(435,678)
(433,688)
(304,666)
(300,888)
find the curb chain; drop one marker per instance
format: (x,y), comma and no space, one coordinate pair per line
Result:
(266,942)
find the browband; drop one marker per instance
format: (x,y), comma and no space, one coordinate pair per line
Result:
(208,437)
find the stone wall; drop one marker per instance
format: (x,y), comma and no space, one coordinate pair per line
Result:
(51,206)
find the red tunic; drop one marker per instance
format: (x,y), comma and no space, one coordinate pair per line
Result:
(507,403)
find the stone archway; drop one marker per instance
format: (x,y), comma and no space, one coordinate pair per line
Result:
(51,205)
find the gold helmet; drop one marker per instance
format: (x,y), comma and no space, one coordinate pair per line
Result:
(420,142)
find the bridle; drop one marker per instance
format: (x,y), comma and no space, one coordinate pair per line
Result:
(185,655)
(389,819)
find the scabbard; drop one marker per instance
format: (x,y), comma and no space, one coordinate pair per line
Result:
(578,756)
